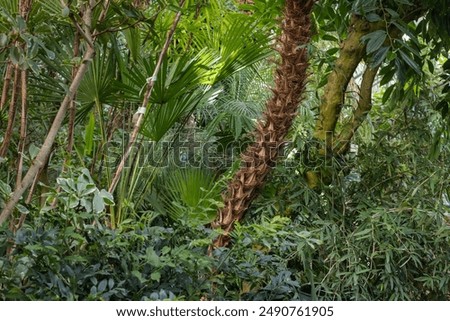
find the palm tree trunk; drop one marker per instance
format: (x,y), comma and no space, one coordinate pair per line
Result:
(281,110)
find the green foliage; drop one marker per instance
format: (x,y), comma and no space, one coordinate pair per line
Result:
(379,231)
(80,193)
(189,196)
(58,262)
(382,223)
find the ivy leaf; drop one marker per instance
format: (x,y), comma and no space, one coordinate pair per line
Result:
(155,276)
(107,197)
(22,209)
(21,24)
(152,257)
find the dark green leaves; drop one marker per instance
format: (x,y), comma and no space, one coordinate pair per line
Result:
(410,62)
(374,40)
(379,56)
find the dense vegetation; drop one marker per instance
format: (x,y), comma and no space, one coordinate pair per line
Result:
(144,155)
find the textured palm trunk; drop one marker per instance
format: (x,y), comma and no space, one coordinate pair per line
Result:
(281,109)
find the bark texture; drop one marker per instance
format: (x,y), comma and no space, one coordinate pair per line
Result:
(43,154)
(352,52)
(360,114)
(281,109)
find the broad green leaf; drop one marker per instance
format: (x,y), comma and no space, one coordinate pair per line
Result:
(22,209)
(374,40)
(107,197)
(155,276)
(152,258)
(33,150)
(98,204)
(102,286)
(73,201)
(379,56)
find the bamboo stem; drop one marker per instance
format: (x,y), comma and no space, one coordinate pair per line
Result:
(148,92)
(11,114)
(6,83)
(46,148)
(23,125)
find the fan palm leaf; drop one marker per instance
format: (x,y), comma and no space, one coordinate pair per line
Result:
(189,195)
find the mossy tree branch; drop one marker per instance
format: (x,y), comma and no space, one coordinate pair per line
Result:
(351,54)
(342,140)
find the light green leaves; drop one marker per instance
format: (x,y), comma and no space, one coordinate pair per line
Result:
(80,193)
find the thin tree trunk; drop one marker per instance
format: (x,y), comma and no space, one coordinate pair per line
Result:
(71,128)
(148,92)
(46,148)
(22,140)
(23,125)
(360,114)
(352,52)
(72,108)
(281,110)
(11,114)
(6,82)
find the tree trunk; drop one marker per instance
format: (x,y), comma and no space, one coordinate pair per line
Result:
(281,109)
(11,114)
(46,148)
(342,141)
(6,82)
(148,92)
(352,52)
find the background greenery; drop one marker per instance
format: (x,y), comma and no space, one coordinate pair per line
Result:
(377,229)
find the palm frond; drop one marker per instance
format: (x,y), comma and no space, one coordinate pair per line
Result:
(190,195)
(161,118)
(235,43)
